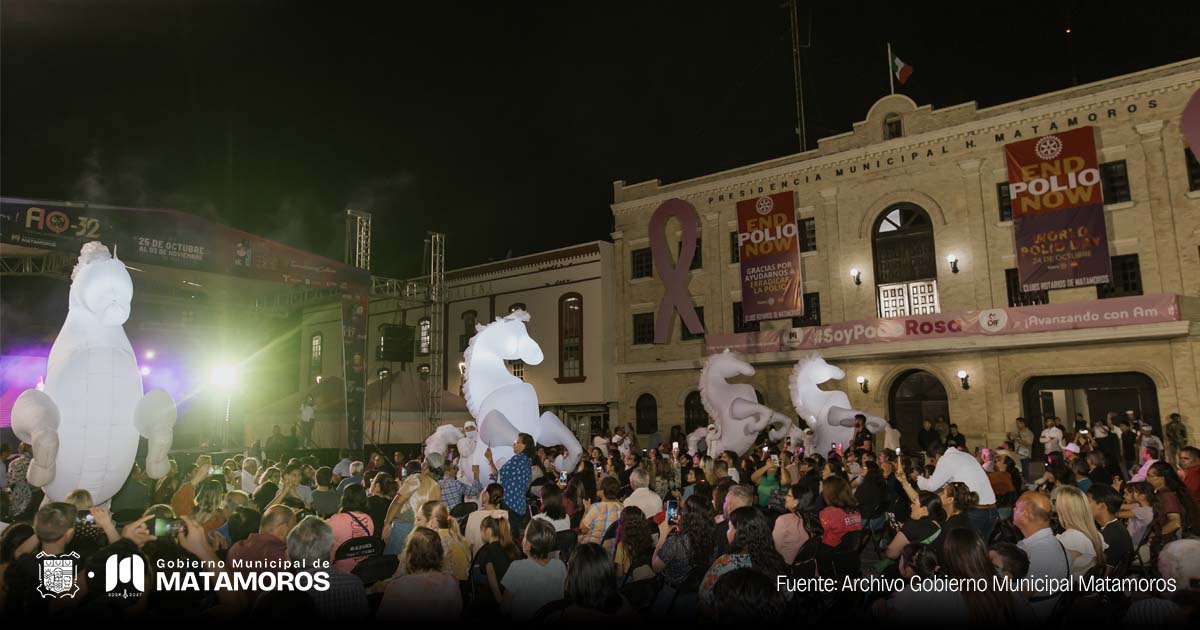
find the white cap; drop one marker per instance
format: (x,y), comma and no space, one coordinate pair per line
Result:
(1073,447)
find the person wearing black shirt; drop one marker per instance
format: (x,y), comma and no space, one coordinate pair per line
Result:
(1105,503)
(928,437)
(927,517)
(1128,446)
(956,439)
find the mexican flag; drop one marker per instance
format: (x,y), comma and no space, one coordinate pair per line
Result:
(900,69)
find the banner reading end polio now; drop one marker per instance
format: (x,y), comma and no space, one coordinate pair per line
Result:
(769,250)
(1058,211)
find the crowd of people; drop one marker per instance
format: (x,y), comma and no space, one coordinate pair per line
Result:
(636,533)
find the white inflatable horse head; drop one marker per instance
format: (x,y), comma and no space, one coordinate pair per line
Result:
(100,287)
(734,407)
(727,364)
(811,370)
(509,339)
(828,413)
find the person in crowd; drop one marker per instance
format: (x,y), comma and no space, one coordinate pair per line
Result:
(666,478)
(379,498)
(1177,438)
(16,540)
(733,462)
(492,501)
(325,499)
(1006,482)
(454,490)
(924,525)
(209,506)
(928,438)
(354,479)
(768,478)
(134,494)
(642,496)
(341,469)
(350,522)
(750,546)
(247,477)
(956,465)
(268,487)
(1080,536)
(1010,561)
(687,547)
(87,534)
(491,562)
(840,515)
(1176,513)
(1081,470)
(515,476)
(735,496)
(1105,504)
(536,580)
(234,501)
(1048,558)
(958,500)
(1051,438)
(1179,564)
(1146,438)
(635,546)
(590,591)
(423,591)
(871,494)
(416,490)
(268,544)
(311,542)
(1129,448)
(456,552)
(184,499)
(794,528)
(553,511)
(1189,469)
(166,487)
(1150,455)
(1138,510)
(599,516)
(293,486)
(956,439)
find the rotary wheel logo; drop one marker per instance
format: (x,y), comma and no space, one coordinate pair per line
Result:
(1048,147)
(764,205)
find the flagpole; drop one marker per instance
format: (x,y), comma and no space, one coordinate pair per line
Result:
(891,80)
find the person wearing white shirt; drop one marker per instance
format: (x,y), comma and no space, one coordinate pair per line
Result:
(1048,557)
(249,475)
(1080,537)
(342,468)
(956,465)
(643,497)
(1052,438)
(891,438)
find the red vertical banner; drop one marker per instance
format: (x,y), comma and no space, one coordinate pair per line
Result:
(769,249)
(1058,211)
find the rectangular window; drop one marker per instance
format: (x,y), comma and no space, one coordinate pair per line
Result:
(641,263)
(735,252)
(1115,180)
(1017,297)
(685,334)
(1193,170)
(740,326)
(1126,278)
(812,312)
(1004,200)
(808,234)
(697,260)
(643,328)
(908,298)
(570,336)
(517,368)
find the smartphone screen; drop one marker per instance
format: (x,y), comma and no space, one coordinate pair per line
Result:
(672,511)
(675,445)
(533,511)
(166,527)
(562,477)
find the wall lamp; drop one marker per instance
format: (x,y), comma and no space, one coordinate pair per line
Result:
(953,260)
(965,378)
(864,384)
(857,275)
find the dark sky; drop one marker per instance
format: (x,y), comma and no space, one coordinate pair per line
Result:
(501,126)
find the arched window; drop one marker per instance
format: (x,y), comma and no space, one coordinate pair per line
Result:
(570,338)
(892,127)
(647,414)
(516,306)
(424,335)
(694,415)
(314,357)
(905,262)
(468,319)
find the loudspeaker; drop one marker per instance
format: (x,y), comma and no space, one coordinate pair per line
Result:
(395,344)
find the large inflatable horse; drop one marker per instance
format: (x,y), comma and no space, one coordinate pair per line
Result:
(828,413)
(84,427)
(734,407)
(504,404)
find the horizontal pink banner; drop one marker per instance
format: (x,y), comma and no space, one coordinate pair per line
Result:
(1126,311)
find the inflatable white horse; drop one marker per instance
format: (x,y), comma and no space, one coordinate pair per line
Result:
(84,427)
(828,413)
(504,404)
(442,439)
(734,408)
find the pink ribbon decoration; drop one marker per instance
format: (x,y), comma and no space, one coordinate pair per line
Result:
(1190,123)
(674,276)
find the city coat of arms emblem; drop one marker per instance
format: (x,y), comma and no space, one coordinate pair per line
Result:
(58,574)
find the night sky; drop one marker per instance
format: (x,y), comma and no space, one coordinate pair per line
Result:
(502,126)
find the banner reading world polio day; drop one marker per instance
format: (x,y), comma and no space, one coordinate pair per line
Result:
(1126,311)
(769,250)
(1058,211)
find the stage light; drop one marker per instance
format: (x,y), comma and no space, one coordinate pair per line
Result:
(145,370)
(149,354)
(224,376)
